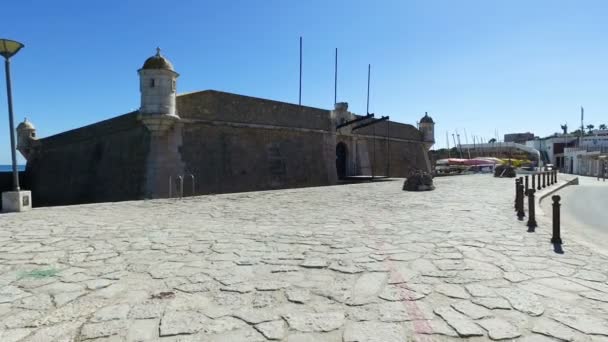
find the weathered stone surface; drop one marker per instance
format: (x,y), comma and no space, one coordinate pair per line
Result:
(102,329)
(209,253)
(21,319)
(223,324)
(399,293)
(315,322)
(181,322)
(143,330)
(9,294)
(584,323)
(296,295)
(366,288)
(145,311)
(599,296)
(477,290)
(453,291)
(591,276)
(472,310)
(492,303)
(14,335)
(345,268)
(314,263)
(515,277)
(112,312)
(97,284)
(273,330)
(463,325)
(554,329)
(256,316)
(499,329)
(37,302)
(246,333)
(270,285)
(391,312)
(523,301)
(59,287)
(373,332)
(239,288)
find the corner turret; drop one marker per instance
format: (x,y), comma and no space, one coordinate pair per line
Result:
(427,127)
(26,138)
(157,84)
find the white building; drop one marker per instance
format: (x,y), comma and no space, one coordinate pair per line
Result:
(574,154)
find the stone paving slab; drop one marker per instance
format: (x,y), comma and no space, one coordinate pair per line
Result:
(363,262)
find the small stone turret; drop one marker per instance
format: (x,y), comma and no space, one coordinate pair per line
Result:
(427,127)
(340,114)
(157,84)
(26,138)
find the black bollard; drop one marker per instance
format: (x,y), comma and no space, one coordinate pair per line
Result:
(526,184)
(520,208)
(516,193)
(531,210)
(521,181)
(556,235)
(555,176)
(544,178)
(539,185)
(533,181)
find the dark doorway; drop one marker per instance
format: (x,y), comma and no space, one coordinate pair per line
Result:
(341,155)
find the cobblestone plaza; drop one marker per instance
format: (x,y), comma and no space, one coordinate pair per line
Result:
(363,262)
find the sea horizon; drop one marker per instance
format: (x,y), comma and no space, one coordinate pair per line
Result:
(9,168)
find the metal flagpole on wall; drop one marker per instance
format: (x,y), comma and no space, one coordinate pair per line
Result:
(369,68)
(300,91)
(336,79)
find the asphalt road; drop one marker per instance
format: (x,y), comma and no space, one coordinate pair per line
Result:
(584,210)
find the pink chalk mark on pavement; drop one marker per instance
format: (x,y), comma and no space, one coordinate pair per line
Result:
(421,325)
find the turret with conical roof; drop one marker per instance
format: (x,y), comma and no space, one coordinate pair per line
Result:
(427,127)
(157,85)
(157,81)
(26,138)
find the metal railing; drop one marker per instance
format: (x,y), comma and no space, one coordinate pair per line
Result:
(179,185)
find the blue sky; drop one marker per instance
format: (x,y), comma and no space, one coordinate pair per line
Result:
(483,66)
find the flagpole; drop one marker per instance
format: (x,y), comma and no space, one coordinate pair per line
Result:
(300,91)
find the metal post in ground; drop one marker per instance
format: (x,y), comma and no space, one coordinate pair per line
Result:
(526,184)
(192,177)
(520,208)
(533,181)
(544,179)
(555,176)
(556,238)
(516,193)
(180,179)
(531,210)
(539,186)
(170,187)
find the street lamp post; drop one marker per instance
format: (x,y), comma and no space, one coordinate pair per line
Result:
(15,200)
(8,48)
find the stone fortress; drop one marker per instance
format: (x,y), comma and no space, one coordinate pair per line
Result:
(217,142)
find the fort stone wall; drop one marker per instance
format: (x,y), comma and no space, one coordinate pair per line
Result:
(102,162)
(238,143)
(381,152)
